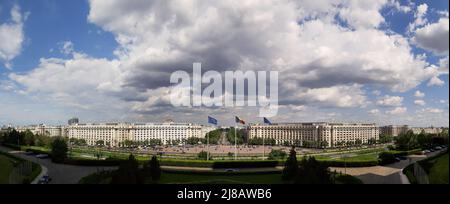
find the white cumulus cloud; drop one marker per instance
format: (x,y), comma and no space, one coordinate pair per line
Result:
(420,102)
(12,36)
(434,37)
(390,101)
(397,111)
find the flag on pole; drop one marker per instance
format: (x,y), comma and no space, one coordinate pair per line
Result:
(212,120)
(267,121)
(239,120)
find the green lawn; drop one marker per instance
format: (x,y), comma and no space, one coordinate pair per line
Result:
(174,178)
(437,170)
(191,178)
(349,157)
(6,166)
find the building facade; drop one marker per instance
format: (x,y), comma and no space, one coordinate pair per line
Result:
(334,134)
(46,130)
(394,130)
(427,130)
(113,134)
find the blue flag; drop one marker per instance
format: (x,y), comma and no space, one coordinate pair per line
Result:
(267,121)
(212,120)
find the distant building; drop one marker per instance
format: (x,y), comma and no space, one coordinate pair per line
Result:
(51,131)
(394,130)
(113,134)
(333,133)
(427,130)
(73,121)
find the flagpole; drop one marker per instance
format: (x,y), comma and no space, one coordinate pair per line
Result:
(235,144)
(207,144)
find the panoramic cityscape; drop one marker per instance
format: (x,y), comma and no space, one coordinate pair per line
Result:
(224,92)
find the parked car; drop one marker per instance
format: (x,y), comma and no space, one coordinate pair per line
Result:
(29,153)
(45,179)
(230,170)
(426,151)
(42,156)
(437,148)
(402,158)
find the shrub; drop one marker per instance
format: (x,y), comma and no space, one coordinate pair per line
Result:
(277,154)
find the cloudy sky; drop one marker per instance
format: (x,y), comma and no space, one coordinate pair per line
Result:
(383,61)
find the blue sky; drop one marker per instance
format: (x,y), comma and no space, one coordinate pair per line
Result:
(115,53)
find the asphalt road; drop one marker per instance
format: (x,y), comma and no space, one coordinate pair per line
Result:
(60,173)
(389,174)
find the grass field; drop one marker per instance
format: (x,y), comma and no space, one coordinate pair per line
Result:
(174,178)
(350,157)
(191,178)
(437,169)
(6,165)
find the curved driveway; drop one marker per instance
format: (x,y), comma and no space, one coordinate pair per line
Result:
(60,173)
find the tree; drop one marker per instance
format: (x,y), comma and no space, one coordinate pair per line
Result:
(255,141)
(310,171)
(128,172)
(406,141)
(240,136)
(358,142)
(155,169)
(290,167)
(323,144)
(277,154)
(59,150)
(385,139)
(371,141)
(194,141)
(100,143)
(214,136)
(29,138)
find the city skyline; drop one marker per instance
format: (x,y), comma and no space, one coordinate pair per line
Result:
(383,61)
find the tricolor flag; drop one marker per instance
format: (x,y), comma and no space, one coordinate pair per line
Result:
(212,120)
(239,120)
(267,121)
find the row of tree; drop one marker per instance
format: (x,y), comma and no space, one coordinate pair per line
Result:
(410,141)
(27,138)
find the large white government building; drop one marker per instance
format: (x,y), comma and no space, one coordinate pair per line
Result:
(332,133)
(114,134)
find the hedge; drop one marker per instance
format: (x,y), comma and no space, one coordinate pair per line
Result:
(37,151)
(186,163)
